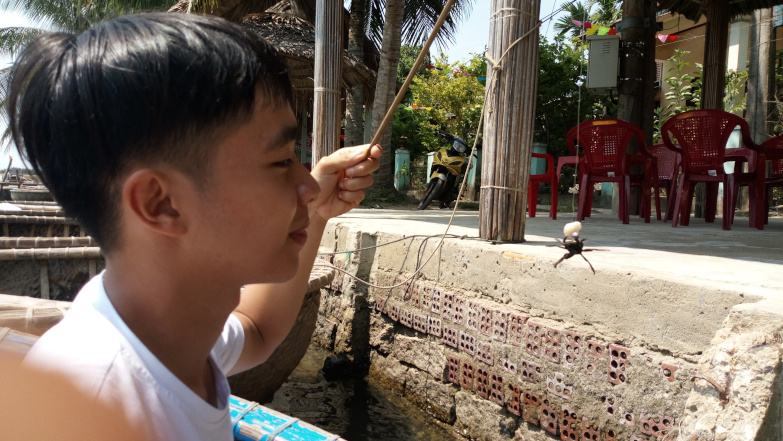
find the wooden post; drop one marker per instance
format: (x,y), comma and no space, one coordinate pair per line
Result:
(510,113)
(759,96)
(328,61)
(715,50)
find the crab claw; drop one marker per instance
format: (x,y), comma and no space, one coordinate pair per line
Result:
(572,229)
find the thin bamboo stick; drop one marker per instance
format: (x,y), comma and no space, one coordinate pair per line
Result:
(51,253)
(45,242)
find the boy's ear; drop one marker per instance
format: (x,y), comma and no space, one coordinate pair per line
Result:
(148,196)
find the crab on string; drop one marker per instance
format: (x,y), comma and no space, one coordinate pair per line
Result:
(573,244)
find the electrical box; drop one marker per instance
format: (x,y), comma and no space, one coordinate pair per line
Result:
(603,62)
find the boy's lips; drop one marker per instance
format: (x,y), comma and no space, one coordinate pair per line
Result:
(299,236)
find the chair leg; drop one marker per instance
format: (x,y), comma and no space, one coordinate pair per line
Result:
(580,215)
(760,200)
(729,200)
(686,204)
(553,209)
(711,207)
(677,196)
(657,190)
(532,199)
(625,201)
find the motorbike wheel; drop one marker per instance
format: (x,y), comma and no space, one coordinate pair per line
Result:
(434,187)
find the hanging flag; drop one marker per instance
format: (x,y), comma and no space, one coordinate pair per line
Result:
(482,78)
(577,23)
(592,31)
(663,38)
(673,37)
(414,106)
(588,25)
(603,30)
(612,31)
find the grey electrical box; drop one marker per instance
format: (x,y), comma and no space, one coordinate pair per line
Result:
(603,62)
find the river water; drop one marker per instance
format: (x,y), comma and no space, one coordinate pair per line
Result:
(354,409)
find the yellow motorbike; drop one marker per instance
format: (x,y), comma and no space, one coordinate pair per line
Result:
(449,164)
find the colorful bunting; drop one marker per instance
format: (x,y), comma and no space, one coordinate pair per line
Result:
(592,31)
(577,23)
(603,31)
(663,38)
(673,37)
(612,31)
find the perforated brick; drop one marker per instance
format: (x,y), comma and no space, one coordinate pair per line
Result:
(515,403)
(474,316)
(467,343)
(551,345)
(548,417)
(508,366)
(421,323)
(468,375)
(485,320)
(447,309)
(668,370)
(517,331)
(570,425)
(610,435)
(496,393)
(482,383)
(380,305)
(529,372)
(619,359)
(595,359)
(595,349)
(531,405)
(556,385)
(394,314)
(627,417)
(435,327)
(589,431)
(450,336)
(437,300)
(460,306)
(534,339)
(572,348)
(454,363)
(656,425)
(426,298)
(500,326)
(406,317)
(484,353)
(415,296)
(610,404)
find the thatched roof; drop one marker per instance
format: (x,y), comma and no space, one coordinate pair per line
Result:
(294,38)
(694,9)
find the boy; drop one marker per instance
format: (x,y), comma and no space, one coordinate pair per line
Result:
(170,138)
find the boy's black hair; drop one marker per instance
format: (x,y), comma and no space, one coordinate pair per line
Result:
(148,88)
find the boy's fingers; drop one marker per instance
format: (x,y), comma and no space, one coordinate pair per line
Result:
(350,156)
(356,183)
(352,197)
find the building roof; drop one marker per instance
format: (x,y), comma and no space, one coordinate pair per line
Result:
(693,9)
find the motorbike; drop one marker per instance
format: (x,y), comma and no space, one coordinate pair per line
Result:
(448,167)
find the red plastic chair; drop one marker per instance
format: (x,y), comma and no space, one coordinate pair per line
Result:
(548,177)
(604,143)
(702,136)
(668,162)
(773,149)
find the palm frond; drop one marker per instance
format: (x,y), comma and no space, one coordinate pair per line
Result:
(13,40)
(420,16)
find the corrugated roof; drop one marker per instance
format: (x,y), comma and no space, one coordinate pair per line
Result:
(694,9)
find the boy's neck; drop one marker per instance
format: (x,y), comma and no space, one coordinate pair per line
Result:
(177,320)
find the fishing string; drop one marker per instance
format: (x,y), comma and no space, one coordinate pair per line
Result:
(491,90)
(577,147)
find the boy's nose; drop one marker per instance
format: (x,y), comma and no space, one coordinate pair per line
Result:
(308,189)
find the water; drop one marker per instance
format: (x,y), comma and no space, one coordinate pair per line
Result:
(355,409)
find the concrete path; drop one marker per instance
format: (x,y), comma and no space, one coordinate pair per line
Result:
(742,259)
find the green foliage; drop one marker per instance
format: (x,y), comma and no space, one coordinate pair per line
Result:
(685,91)
(606,13)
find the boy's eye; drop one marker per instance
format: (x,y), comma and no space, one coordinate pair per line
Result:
(284,163)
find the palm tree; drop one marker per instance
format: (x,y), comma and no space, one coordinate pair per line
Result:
(576,11)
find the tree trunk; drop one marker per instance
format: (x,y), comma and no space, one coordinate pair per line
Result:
(510,119)
(758,74)
(386,87)
(328,61)
(354,101)
(715,50)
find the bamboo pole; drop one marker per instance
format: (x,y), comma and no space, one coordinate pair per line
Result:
(509,114)
(51,253)
(328,63)
(45,242)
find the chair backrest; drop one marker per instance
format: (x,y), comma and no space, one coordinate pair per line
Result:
(668,161)
(604,143)
(702,136)
(775,143)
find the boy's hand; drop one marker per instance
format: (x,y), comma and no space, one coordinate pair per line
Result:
(343,176)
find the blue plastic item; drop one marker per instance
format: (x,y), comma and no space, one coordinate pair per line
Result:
(254,422)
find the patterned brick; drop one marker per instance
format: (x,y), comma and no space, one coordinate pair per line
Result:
(508,366)
(468,375)
(485,320)
(570,425)
(551,345)
(482,383)
(421,323)
(484,353)
(496,393)
(451,336)
(447,309)
(529,372)
(531,406)
(656,425)
(467,343)
(572,348)
(394,314)
(437,300)
(556,385)
(534,339)
(500,326)
(548,417)
(460,306)
(454,363)
(406,317)
(590,431)
(435,327)
(515,403)
(474,316)
(517,330)
(619,360)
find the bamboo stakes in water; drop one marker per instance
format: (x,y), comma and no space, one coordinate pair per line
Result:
(510,115)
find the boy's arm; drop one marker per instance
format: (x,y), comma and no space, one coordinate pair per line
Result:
(268,311)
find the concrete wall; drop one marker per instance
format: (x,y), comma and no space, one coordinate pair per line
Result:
(501,345)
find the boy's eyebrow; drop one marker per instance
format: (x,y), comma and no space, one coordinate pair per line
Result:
(285,135)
